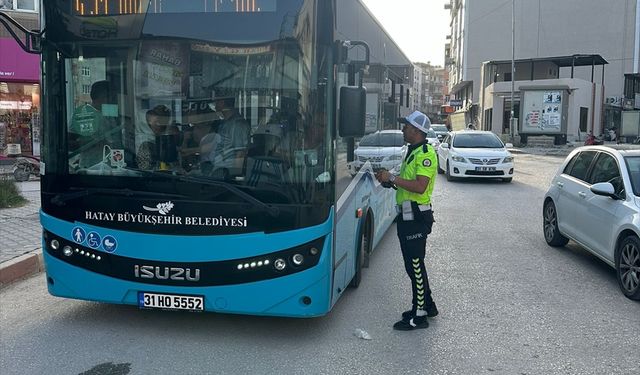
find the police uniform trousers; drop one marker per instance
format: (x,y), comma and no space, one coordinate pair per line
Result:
(413,240)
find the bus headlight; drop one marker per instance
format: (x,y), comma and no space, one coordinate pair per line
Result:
(55,245)
(280,264)
(297,259)
(67,251)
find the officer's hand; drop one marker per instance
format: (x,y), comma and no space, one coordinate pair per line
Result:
(383,176)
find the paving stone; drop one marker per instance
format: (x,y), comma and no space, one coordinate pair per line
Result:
(20,230)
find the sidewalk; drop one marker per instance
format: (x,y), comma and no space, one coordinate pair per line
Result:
(21,236)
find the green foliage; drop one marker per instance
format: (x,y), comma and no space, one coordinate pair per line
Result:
(10,195)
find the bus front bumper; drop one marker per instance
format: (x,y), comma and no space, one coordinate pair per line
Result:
(303,294)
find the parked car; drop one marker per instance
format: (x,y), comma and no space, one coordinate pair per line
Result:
(441,130)
(594,200)
(433,140)
(382,149)
(475,154)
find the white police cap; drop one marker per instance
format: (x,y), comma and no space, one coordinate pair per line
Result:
(417,119)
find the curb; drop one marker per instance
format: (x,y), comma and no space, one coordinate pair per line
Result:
(21,267)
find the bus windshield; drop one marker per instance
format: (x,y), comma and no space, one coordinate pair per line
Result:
(239,108)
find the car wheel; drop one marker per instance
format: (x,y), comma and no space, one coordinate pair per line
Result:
(628,267)
(508,179)
(21,174)
(550,226)
(448,173)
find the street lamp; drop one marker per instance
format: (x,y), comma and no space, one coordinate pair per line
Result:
(513,68)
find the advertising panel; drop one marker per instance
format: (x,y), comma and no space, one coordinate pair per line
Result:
(542,112)
(162,69)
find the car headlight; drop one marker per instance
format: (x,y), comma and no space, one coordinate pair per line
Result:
(458,158)
(508,159)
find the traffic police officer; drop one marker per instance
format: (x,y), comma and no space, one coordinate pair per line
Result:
(415,218)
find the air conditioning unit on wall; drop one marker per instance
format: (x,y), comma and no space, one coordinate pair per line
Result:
(629,103)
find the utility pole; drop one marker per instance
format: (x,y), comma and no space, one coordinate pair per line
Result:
(513,69)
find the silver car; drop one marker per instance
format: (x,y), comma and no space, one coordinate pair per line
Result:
(441,130)
(594,200)
(382,149)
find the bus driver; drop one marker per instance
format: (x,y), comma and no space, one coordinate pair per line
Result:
(231,148)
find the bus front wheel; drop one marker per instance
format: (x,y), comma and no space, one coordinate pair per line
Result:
(362,256)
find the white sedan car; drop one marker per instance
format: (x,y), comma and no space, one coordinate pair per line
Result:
(471,153)
(382,149)
(594,199)
(433,140)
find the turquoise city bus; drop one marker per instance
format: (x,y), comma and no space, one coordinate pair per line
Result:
(196,153)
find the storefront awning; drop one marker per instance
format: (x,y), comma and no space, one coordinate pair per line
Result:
(17,65)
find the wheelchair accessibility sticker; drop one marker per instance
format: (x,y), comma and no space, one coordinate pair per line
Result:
(93,240)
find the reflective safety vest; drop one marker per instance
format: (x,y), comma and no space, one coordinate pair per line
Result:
(420,161)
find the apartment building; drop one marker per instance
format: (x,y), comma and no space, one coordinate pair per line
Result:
(481,32)
(429,90)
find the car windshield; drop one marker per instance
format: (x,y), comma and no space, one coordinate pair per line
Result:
(477,140)
(383,140)
(633,166)
(438,128)
(431,134)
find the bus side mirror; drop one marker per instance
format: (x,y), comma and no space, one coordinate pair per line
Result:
(353,102)
(35,40)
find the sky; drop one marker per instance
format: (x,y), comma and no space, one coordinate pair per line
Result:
(419,27)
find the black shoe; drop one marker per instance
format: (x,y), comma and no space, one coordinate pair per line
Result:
(419,322)
(432,311)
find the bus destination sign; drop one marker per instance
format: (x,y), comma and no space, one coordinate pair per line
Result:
(127,7)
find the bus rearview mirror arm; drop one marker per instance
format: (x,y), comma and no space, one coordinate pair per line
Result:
(30,41)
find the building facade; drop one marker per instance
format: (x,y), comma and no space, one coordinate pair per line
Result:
(481,31)
(429,90)
(19,84)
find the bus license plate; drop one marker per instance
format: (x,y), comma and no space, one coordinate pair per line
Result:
(486,169)
(170,301)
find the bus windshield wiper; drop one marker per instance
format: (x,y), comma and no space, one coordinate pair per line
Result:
(61,198)
(273,211)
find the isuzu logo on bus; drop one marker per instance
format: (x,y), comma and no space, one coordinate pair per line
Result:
(166,273)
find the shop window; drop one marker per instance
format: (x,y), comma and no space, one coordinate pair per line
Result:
(20,5)
(19,119)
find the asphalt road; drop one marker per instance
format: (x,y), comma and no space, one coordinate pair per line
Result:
(509,304)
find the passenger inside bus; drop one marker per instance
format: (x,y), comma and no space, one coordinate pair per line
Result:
(159,123)
(94,126)
(230,149)
(199,144)
(269,155)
